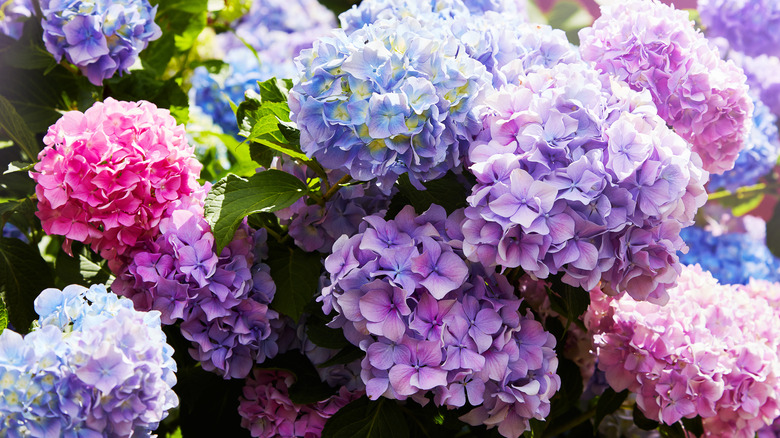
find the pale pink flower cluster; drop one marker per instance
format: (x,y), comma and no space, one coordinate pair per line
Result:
(713,351)
(267,411)
(107,175)
(653,46)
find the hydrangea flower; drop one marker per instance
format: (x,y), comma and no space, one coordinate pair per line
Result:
(430,321)
(377,103)
(13,14)
(711,351)
(758,157)
(316,227)
(212,93)
(100,37)
(267,411)
(10,231)
(92,367)
(106,176)
(654,47)
(749,26)
(580,177)
(761,78)
(223,299)
(732,258)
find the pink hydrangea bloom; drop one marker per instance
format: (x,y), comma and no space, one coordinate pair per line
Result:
(655,47)
(267,411)
(106,175)
(713,351)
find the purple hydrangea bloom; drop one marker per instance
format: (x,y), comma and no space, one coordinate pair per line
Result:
(761,77)
(749,26)
(654,47)
(578,175)
(758,157)
(100,37)
(429,320)
(14,13)
(92,366)
(223,299)
(375,104)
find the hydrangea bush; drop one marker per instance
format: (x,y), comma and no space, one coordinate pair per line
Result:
(444,218)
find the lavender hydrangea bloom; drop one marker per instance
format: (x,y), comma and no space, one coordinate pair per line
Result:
(749,26)
(212,93)
(732,258)
(761,77)
(100,37)
(375,105)
(580,176)
(223,299)
(654,47)
(758,157)
(14,13)
(92,367)
(430,321)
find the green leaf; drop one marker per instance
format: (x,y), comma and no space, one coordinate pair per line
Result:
(273,90)
(673,431)
(742,205)
(308,387)
(570,390)
(18,166)
(773,232)
(446,191)
(233,198)
(347,355)
(366,419)
(23,275)
(16,129)
(643,422)
(296,274)
(568,301)
(694,425)
(156,57)
(3,315)
(609,402)
(319,333)
(145,85)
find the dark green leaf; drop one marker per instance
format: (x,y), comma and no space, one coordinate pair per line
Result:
(156,57)
(673,431)
(290,132)
(569,302)
(145,85)
(366,419)
(446,191)
(273,90)
(17,130)
(23,275)
(308,387)
(296,274)
(233,198)
(262,155)
(18,166)
(609,402)
(773,232)
(322,335)
(347,355)
(643,422)
(694,425)
(742,205)
(571,388)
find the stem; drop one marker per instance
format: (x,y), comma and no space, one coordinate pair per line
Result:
(335,187)
(743,192)
(574,422)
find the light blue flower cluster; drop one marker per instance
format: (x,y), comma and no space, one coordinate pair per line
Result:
(101,37)
(393,97)
(212,93)
(93,367)
(13,13)
(759,155)
(732,258)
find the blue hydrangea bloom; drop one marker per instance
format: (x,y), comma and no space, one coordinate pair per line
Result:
(759,155)
(212,93)
(101,37)
(92,367)
(732,258)
(13,13)
(393,97)
(12,232)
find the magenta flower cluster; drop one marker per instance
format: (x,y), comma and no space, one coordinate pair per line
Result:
(267,411)
(93,367)
(713,351)
(430,321)
(315,227)
(100,37)
(577,178)
(654,47)
(106,176)
(377,103)
(222,299)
